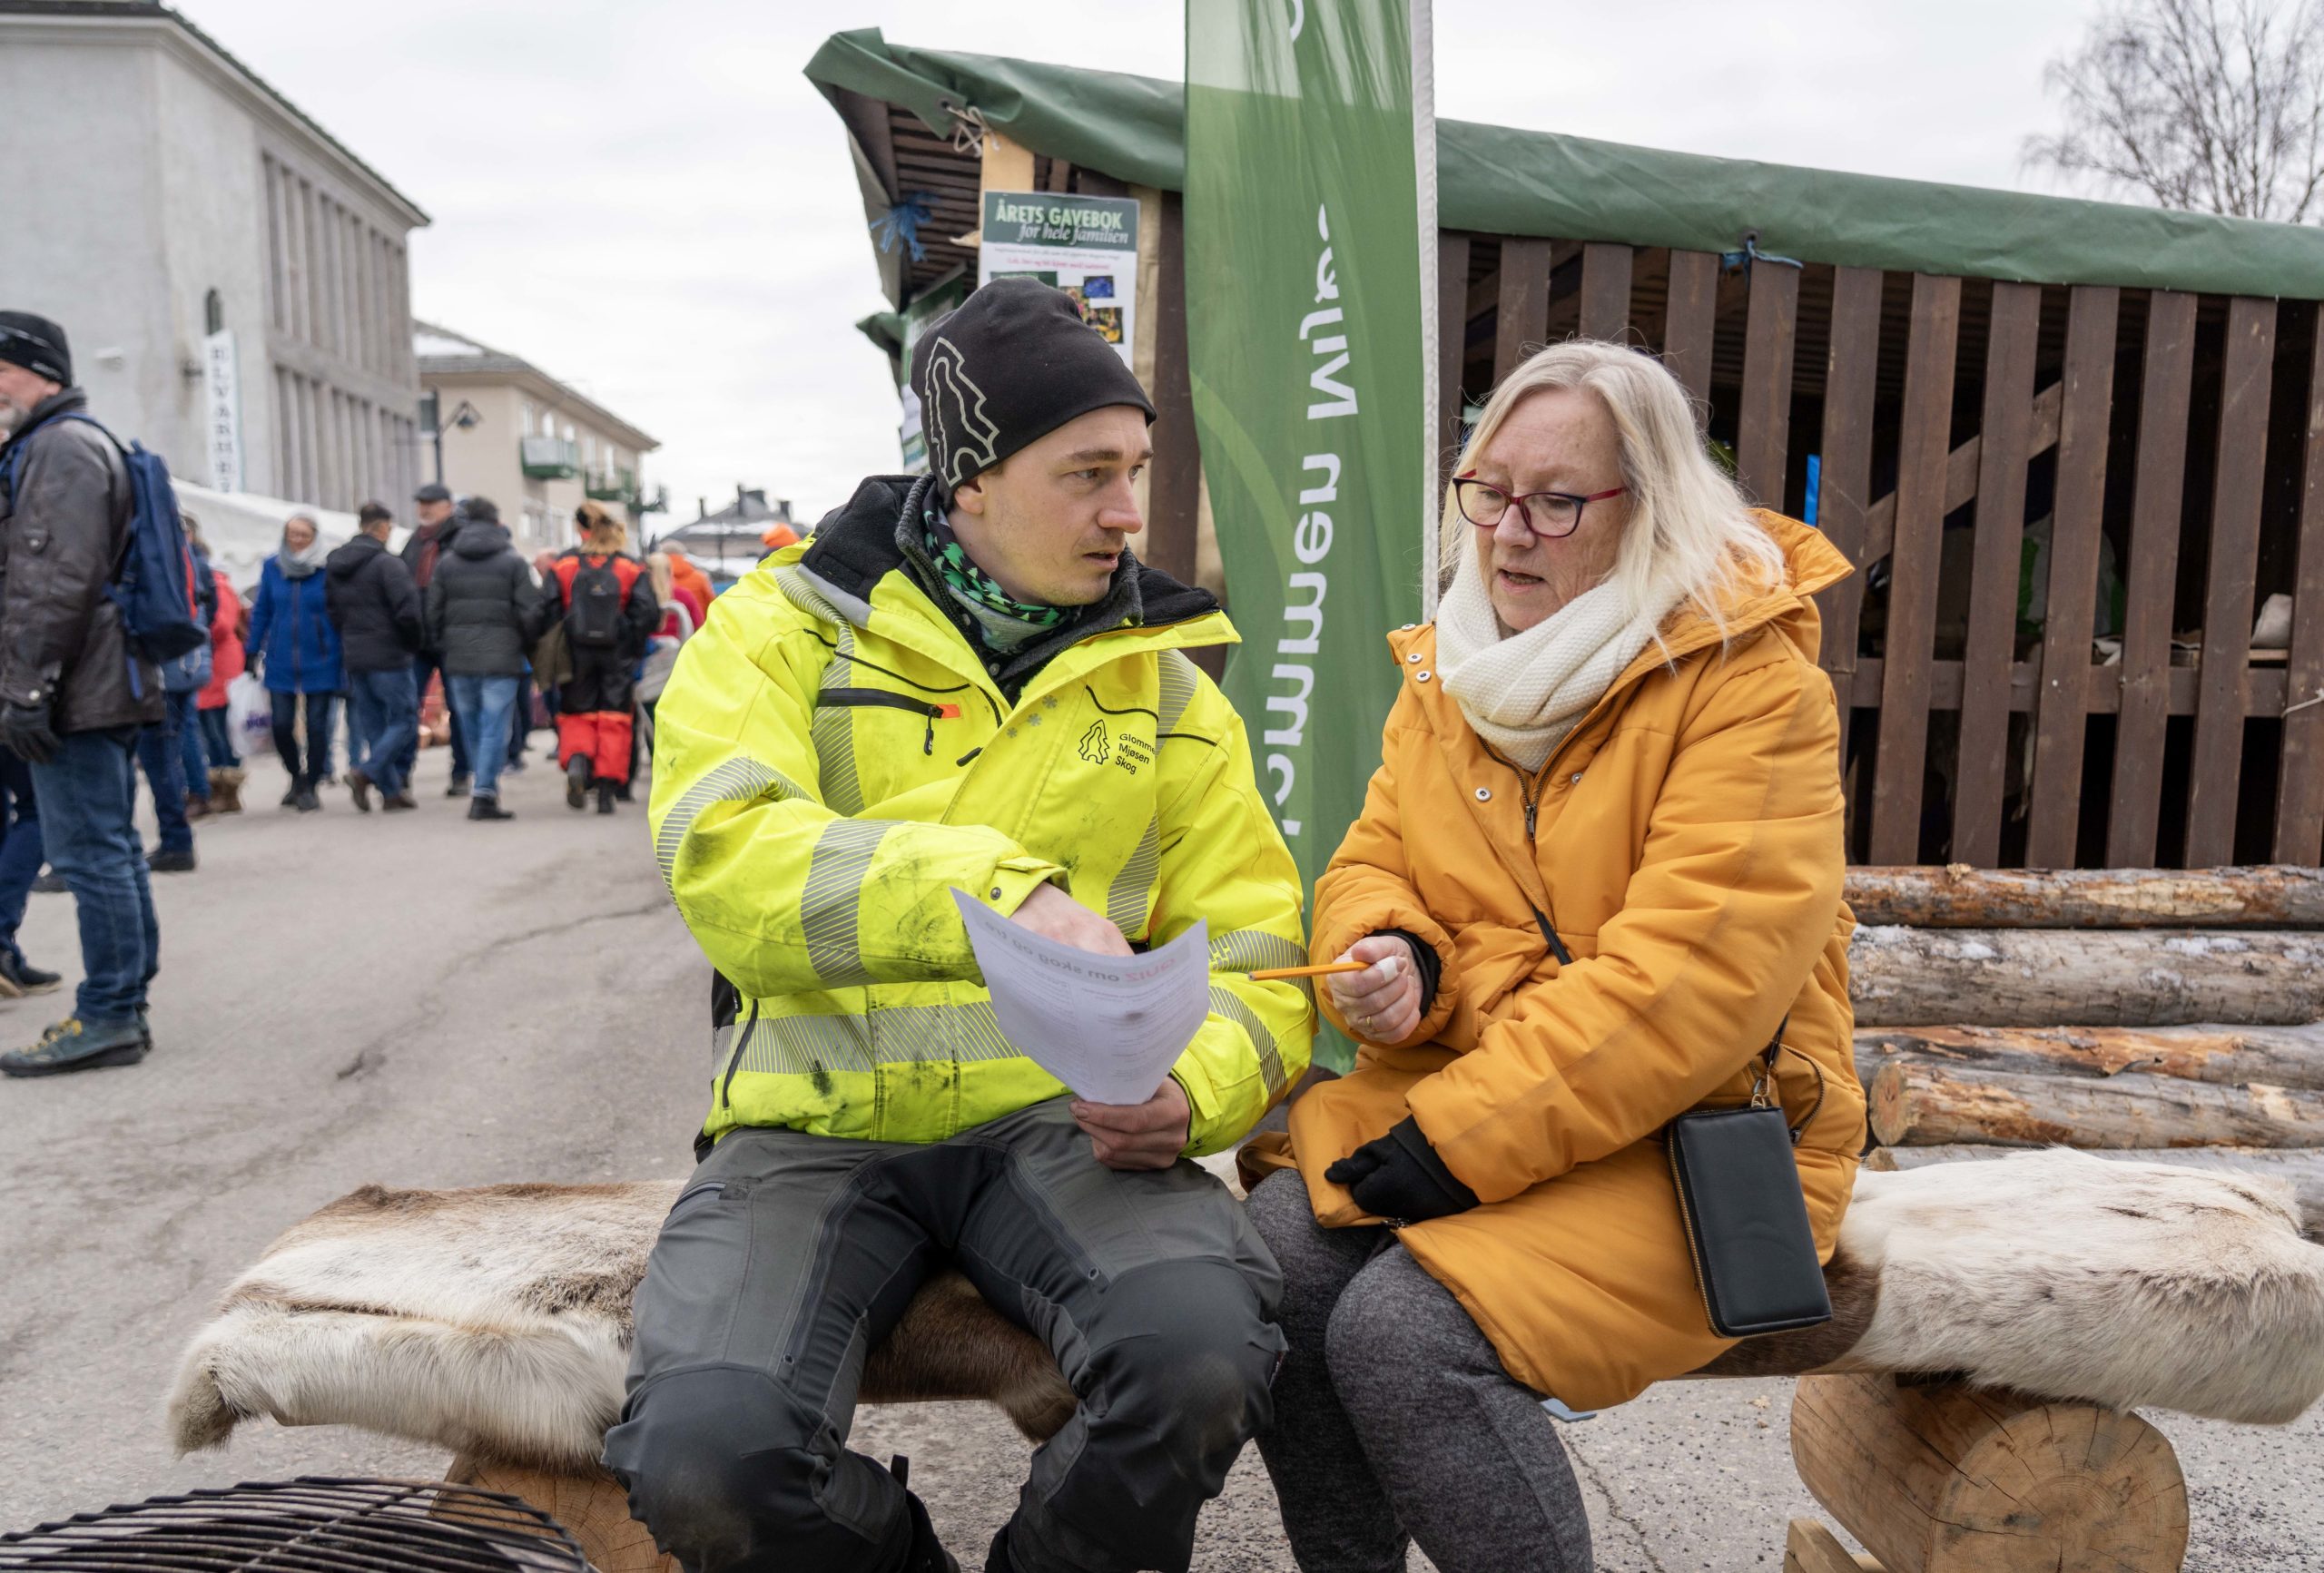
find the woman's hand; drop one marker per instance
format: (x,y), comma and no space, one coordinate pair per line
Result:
(1383,1001)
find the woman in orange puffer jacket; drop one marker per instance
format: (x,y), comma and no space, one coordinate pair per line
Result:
(1616,732)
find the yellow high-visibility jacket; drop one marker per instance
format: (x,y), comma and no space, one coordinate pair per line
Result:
(831,760)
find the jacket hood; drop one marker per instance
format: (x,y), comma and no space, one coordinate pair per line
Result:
(477,538)
(854,547)
(347,561)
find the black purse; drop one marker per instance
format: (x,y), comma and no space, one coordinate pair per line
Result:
(1745,1220)
(1740,1204)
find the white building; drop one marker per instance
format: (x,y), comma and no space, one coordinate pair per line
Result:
(233,280)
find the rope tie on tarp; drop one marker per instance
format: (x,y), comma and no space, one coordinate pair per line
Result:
(968,125)
(1750,253)
(902,222)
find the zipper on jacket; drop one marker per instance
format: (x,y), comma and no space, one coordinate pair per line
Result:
(881,697)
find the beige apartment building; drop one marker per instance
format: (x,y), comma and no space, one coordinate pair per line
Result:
(513,433)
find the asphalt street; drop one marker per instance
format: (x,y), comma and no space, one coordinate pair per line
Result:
(423,1001)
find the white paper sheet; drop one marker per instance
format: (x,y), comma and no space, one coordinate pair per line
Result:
(1108,1027)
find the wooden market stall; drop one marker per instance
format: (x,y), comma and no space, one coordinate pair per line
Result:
(2076,450)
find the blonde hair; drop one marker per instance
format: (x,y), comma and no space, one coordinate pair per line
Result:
(1692,538)
(657,564)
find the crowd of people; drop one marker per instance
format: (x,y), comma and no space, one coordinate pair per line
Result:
(368,631)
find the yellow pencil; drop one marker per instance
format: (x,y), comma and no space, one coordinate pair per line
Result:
(1271,974)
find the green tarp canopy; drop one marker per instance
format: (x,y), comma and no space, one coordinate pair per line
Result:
(1495,180)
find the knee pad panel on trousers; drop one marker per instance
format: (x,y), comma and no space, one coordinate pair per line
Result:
(730,1472)
(1178,1381)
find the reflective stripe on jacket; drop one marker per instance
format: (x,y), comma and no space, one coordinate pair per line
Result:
(824,778)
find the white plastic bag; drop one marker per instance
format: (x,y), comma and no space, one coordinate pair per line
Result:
(249,714)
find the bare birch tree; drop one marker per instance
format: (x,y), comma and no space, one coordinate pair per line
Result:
(2199,105)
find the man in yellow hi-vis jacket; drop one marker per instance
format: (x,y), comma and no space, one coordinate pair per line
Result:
(963,681)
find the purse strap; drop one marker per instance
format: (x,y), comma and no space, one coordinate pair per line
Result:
(1766,1059)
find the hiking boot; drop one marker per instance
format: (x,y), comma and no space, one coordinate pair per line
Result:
(50,883)
(226,789)
(577,781)
(170,860)
(305,801)
(290,798)
(398,802)
(488,809)
(74,1045)
(604,799)
(359,787)
(459,789)
(19,977)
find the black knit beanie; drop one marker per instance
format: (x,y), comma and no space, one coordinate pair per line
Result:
(38,345)
(1013,364)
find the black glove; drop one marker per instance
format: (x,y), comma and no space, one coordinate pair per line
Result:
(26,732)
(1401,1177)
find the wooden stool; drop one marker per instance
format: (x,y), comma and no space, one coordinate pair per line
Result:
(592,1505)
(1940,1479)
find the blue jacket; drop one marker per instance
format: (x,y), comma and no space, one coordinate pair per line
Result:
(291,632)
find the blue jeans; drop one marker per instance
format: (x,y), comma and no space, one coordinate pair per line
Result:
(383,712)
(286,735)
(480,708)
(161,749)
(218,740)
(195,754)
(21,854)
(424,667)
(88,796)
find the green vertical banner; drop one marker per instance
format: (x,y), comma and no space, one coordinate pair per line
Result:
(1311,292)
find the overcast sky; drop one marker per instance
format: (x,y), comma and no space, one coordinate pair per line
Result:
(653,203)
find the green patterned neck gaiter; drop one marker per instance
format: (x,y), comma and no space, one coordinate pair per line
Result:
(1003,622)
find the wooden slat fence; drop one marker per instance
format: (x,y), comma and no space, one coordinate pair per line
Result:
(2066,507)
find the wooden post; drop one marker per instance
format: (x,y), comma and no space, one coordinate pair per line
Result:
(1176,476)
(1918,1101)
(2267,896)
(1944,1480)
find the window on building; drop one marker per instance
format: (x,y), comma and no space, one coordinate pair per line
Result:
(528,427)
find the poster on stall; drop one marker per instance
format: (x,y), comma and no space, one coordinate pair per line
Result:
(931,307)
(1085,246)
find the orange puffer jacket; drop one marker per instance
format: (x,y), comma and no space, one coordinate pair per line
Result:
(1686,841)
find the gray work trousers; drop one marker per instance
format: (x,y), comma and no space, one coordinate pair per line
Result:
(1394,1421)
(790,1256)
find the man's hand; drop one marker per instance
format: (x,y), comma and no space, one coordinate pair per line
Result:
(1054,915)
(27,732)
(1147,1136)
(1383,1001)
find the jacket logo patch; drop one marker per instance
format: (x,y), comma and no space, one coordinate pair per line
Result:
(1096,746)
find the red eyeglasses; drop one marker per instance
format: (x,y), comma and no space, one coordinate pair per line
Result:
(1483,505)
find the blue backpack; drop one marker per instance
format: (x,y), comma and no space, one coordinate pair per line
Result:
(153,584)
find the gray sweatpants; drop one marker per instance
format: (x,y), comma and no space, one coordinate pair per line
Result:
(1393,1418)
(790,1256)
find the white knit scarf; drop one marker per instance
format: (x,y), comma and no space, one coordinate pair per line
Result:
(1522,692)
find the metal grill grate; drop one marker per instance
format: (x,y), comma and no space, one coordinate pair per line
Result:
(315,1524)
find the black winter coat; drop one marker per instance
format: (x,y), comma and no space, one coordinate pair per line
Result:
(483,611)
(374,604)
(61,533)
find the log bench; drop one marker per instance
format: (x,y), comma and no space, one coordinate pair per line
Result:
(1967,1410)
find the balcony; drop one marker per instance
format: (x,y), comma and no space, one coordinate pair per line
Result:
(549,458)
(613,486)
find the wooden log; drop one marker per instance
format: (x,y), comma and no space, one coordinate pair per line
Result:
(2285,1056)
(1918,1101)
(2273,896)
(2053,978)
(1809,1548)
(1939,1479)
(591,1504)
(2303,1167)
